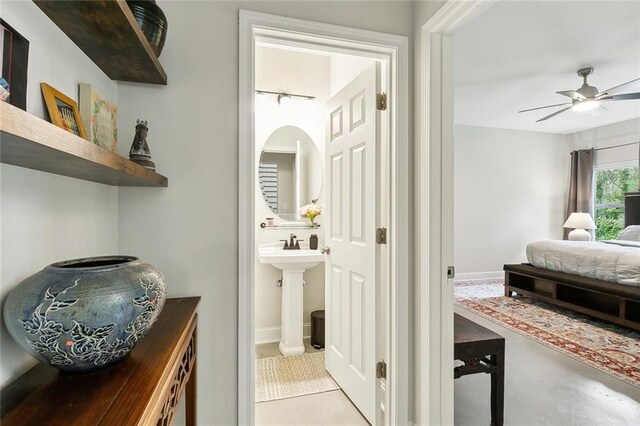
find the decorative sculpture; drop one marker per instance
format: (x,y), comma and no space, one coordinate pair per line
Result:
(139,152)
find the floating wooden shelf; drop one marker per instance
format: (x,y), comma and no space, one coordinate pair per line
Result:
(108,33)
(28,141)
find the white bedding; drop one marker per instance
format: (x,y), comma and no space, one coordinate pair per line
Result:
(617,261)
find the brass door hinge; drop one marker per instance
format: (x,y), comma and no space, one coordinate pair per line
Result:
(381,101)
(381,236)
(381,370)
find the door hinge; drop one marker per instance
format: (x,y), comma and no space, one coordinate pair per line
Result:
(381,370)
(381,101)
(381,236)
(451,271)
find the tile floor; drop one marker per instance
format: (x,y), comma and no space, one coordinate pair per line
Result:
(327,409)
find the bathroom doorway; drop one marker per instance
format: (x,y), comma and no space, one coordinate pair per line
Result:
(301,86)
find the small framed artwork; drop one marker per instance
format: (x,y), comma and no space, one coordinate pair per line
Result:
(14,50)
(100,117)
(63,111)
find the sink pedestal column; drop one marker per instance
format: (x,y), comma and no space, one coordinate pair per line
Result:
(292,306)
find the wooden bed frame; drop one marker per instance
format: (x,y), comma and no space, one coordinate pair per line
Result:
(617,303)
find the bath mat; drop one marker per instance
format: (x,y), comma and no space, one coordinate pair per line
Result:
(612,349)
(283,377)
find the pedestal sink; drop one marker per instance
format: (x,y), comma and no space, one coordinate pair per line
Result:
(293,263)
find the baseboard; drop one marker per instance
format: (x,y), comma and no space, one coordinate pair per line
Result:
(272,334)
(468,276)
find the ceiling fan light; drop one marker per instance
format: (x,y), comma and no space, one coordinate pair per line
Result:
(587,105)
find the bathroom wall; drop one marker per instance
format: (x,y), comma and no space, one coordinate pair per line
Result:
(344,68)
(303,73)
(44,217)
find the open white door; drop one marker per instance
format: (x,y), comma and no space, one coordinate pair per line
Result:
(350,286)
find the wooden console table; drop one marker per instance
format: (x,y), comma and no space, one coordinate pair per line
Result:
(482,351)
(144,389)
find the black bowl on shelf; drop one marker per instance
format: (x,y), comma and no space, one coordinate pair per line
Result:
(152,22)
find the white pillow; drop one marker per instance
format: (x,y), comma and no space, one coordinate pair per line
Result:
(630,233)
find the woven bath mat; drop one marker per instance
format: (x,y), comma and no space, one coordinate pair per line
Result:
(283,377)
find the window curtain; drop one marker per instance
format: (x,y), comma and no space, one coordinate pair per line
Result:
(580,184)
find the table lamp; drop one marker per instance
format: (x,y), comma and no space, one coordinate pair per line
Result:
(580,222)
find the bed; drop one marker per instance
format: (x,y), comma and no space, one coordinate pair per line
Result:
(600,279)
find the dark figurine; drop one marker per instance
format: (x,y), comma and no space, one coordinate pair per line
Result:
(139,152)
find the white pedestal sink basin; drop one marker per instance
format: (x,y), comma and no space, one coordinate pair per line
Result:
(293,263)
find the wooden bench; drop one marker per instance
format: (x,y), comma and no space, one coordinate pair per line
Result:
(481,351)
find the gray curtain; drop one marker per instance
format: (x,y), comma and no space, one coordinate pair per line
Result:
(580,184)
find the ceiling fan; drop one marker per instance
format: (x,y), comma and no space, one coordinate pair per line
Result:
(587,98)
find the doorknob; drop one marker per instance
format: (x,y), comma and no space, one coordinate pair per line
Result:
(325,250)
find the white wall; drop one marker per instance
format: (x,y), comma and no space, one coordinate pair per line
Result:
(611,135)
(46,218)
(344,68)
(510,189)
(296,72)
(190,230)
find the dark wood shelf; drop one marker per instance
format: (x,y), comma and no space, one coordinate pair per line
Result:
(108,33)
(28,141)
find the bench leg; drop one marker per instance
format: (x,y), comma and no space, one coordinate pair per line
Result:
(497,390)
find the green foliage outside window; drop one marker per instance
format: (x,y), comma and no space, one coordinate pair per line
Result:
(611,185)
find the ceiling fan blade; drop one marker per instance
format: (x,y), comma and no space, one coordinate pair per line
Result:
(599,111)
(553,115)
(622,97)
(604,92)
(572,94)
(543,107)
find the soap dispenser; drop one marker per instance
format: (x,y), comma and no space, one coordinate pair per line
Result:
(313,242)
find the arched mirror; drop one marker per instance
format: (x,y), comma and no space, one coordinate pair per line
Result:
(290,171)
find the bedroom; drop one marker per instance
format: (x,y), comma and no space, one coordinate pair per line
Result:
(512,187)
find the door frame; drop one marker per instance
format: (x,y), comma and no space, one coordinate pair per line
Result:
(395,51)
(434,167)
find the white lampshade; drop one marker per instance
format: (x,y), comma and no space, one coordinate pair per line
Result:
(580,221)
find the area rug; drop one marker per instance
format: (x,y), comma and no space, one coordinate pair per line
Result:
(283,377)
(610,348)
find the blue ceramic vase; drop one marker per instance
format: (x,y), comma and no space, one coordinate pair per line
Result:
(85,314)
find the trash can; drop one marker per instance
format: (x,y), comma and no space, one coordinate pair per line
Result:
(317,329)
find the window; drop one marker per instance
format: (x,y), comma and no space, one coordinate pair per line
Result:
(611,184)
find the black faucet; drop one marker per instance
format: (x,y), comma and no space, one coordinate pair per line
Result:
(292,244)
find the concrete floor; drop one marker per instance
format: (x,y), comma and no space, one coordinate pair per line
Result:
(327,408)
(542,387)
(545,387)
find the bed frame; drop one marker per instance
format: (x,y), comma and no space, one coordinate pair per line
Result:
(617,303)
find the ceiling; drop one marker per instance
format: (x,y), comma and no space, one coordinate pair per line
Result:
(516,55)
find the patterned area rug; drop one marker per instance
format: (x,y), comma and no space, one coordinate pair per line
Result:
(607,347)
(283,377)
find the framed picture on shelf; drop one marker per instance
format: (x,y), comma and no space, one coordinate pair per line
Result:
(14,50)
(63,111)
(100,118)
